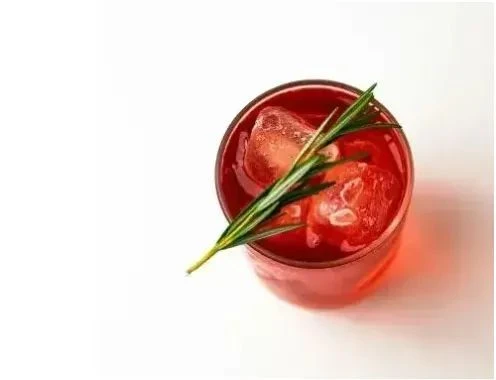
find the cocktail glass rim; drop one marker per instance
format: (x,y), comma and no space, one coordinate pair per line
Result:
(397,219)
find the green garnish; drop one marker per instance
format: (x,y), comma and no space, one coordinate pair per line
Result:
(294,185)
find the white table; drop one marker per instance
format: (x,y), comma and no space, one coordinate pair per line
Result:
(115,303)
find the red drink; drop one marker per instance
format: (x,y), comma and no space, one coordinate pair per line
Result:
(350,227)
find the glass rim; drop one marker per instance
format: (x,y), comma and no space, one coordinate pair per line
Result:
(383,237)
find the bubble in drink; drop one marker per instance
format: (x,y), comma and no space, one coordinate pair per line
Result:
(276,139)
(353,212)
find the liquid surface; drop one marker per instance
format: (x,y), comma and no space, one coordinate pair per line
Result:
(340,220)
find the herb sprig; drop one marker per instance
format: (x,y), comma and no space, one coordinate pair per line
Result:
(294,185)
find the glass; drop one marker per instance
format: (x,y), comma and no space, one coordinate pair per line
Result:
(316,284)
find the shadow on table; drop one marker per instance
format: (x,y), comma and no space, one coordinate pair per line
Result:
(443,266)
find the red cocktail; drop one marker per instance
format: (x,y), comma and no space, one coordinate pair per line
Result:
(350,228)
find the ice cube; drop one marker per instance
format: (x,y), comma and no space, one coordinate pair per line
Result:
(370,141)
(276,139)
(293,213)
(354,211)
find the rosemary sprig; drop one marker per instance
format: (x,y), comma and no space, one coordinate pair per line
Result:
(294,185)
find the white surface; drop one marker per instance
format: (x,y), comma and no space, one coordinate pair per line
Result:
(110,117)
